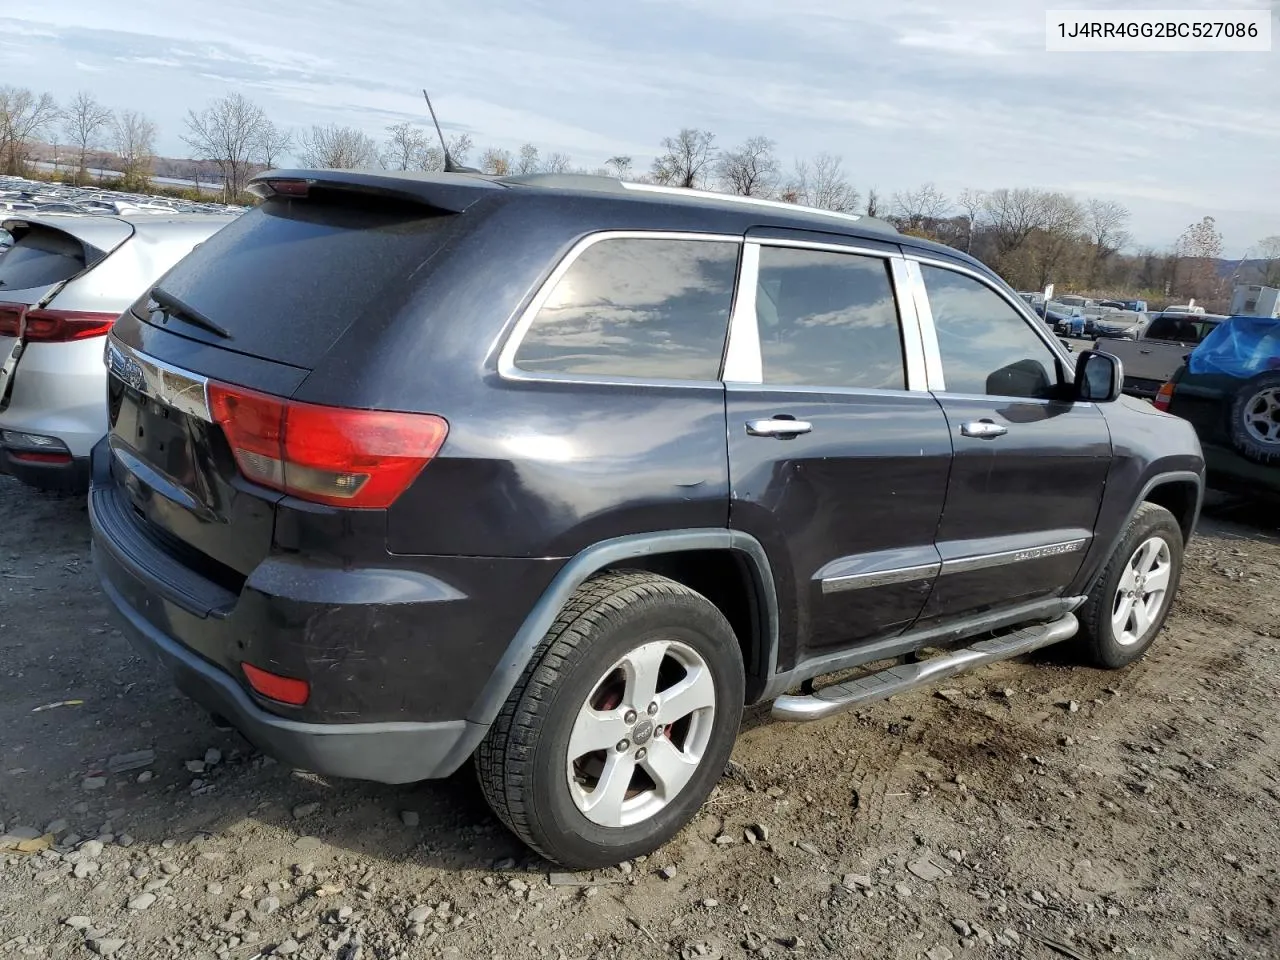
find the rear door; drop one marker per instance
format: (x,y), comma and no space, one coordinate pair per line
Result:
(838,455)
(1029,467)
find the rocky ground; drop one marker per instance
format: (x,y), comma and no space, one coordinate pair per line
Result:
(1035,810)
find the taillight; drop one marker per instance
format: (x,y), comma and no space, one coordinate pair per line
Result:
(11,319)
(63,326)
(332,455)
(1164,396)
(52,326)
(275,687)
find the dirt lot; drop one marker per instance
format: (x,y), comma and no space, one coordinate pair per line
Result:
(1034,810)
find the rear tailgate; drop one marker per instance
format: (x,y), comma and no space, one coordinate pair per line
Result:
(257,306)
(46,254)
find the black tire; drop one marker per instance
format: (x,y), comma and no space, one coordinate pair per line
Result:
(1097,639)
(1256,401)
(523,763)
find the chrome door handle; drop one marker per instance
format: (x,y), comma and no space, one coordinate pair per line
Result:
(778,428)
(983,429)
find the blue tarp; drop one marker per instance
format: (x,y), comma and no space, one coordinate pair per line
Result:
(1240,347)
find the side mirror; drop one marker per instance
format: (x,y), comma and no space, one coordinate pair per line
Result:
(1099,377)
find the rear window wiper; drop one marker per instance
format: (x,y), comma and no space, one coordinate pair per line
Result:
(176,308)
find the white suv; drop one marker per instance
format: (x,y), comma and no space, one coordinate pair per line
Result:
(63,282)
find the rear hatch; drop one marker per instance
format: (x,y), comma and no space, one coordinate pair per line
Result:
(205,443)
(47,254)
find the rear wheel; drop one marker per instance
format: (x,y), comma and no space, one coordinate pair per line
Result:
(1129,602)
(621,726)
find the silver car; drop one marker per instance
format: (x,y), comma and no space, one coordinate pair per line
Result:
(63,282)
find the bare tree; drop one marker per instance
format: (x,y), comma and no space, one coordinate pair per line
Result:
(916,209)
(686,158)
(1011,216)
(496,162)
(1063,224)
(751,170)
(229,132)
(1198,250)
(970,201)
(275,143)
(337,148)
(873,203)
(460,147)
(822,184)
(1268,249)
(620,166)
(24,115)
(1105,222)
(135,142)
(405,145)
(83,123)
(557,163)
(528,161)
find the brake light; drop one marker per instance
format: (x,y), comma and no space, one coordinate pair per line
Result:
(1164,396)
(331,455)
(275,687)
(11,319)
(52,326)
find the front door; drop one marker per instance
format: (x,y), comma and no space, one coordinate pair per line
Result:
(1030,464)
(838,456)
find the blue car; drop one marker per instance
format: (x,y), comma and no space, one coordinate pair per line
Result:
(1066,320)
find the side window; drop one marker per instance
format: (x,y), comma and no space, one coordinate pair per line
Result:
(633,307)
(987,347)
(828,320)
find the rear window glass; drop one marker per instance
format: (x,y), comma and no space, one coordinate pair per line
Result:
(287,279)
(39,258)
(635,307)
(1185,329)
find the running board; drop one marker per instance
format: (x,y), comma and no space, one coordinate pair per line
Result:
(895,680)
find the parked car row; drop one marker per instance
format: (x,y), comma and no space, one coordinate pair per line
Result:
(21,196)
(556,474)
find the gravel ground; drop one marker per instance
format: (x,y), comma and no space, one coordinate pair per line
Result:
(1034,810)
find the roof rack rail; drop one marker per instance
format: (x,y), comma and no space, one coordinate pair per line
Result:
(871,222)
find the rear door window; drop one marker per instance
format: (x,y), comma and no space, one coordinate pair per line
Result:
(828,320)
(636,307)
(39,258)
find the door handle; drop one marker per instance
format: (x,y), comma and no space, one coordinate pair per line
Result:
(983,429)
(779,427)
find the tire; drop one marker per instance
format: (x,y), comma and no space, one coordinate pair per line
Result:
(1255,418)
(1151,542)
(577,689)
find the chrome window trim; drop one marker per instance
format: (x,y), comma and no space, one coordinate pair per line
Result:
(1019,307)
(880,578)
(924,323)
(180,389)
(913,340)
(744,363)
(984,561)
(507,368)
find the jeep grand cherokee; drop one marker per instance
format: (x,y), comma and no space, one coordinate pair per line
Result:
(560,473)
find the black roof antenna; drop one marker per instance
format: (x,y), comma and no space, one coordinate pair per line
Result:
(449,165)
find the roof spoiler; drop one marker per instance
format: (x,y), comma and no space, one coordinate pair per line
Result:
(451,192)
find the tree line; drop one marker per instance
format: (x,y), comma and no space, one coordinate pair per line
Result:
(1032,237)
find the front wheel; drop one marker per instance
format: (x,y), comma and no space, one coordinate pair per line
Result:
(621,725)
(1130,600)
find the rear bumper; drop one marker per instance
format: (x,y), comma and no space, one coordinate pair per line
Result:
(72,477)
(386,752)
(60,390)
(1226,470)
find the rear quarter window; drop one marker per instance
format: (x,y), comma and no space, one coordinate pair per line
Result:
(651,308)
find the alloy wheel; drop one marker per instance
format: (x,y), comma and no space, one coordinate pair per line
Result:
(1262,416)
(1140,597)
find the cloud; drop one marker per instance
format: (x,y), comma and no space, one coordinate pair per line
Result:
(906,92)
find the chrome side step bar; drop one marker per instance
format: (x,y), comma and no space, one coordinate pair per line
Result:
(895,680)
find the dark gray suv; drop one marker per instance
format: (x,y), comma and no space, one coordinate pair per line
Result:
(560,472)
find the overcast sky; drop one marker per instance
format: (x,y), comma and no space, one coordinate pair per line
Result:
(907,91)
